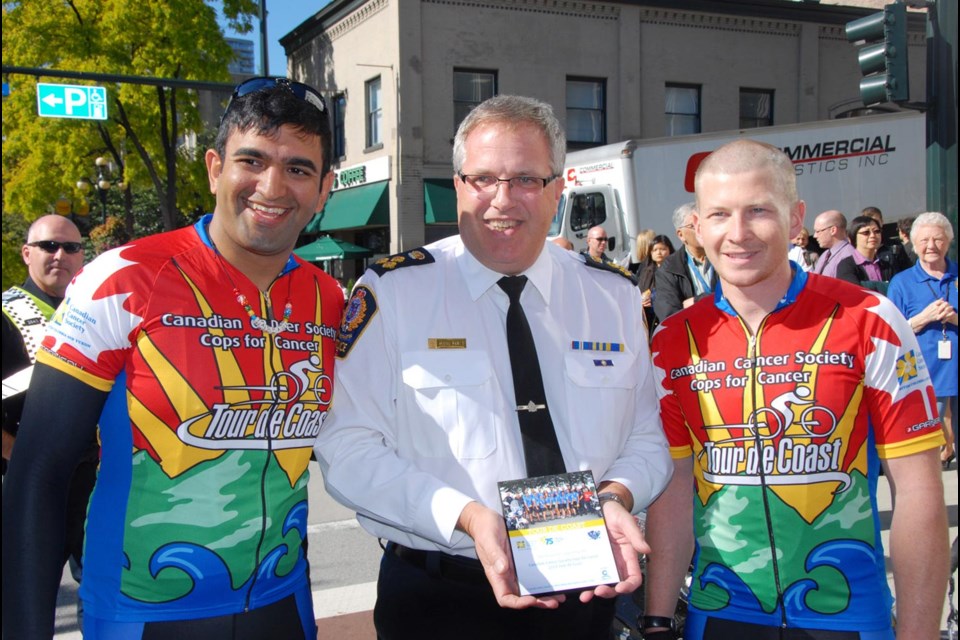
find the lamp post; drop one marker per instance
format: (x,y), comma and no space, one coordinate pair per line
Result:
(102,184)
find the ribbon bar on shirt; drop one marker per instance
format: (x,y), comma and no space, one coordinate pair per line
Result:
(582,345)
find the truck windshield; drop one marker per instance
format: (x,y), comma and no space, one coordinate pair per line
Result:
(556,227)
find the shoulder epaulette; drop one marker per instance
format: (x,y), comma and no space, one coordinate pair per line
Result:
(609,265)
(401,260)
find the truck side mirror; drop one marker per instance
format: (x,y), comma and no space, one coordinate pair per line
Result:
(611,243)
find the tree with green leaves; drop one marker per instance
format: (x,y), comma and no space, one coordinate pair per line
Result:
(144,138)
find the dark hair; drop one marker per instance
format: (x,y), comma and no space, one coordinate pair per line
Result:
(859,223)
(662,239)
(269,109)
(904,225)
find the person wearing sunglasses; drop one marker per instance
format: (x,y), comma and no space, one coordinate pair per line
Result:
(206,357)
(597,244)
(53,253)
(866,266)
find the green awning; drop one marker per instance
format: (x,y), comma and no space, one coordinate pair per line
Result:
(350,208)
(440,201)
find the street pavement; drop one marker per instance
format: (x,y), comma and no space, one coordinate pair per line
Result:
(344,561)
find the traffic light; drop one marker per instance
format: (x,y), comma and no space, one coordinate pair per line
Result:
(883,60)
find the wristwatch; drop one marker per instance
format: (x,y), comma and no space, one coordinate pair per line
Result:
(651,622)
(609,496)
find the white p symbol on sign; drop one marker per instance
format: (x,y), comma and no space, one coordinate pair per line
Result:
(74,98)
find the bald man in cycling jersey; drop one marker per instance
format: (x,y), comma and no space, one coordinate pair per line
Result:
(781,395)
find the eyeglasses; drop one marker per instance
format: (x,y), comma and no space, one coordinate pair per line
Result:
(601,240)
(822,229)
(488,185)
(52,246)
(868,232)
(300,90)
(686,226)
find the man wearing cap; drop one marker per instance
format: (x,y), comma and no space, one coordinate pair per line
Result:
(206,356)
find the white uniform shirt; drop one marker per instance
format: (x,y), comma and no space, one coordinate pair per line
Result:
(799,255)
(416,432)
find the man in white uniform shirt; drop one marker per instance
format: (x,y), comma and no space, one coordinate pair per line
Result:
(425,420)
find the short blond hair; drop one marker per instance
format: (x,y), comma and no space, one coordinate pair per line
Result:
(745,155)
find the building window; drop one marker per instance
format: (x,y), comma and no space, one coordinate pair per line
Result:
(586,112)
(682,109)
(470,88)
(374,112)
(756,108)
(339,129)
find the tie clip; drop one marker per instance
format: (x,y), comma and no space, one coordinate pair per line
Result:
(531,407)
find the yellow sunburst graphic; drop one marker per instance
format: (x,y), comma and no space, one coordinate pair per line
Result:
(791,428)
(177,456)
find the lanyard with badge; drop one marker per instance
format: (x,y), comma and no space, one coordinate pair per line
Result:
(944,351)
(695,271)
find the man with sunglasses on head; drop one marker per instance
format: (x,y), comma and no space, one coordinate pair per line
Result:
(206,356)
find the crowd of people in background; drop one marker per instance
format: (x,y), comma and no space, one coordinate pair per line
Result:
(858,251)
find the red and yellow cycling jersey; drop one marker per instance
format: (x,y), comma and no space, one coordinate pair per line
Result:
(200,506)
(785,428)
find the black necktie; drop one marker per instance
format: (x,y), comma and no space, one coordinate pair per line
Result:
(540,447)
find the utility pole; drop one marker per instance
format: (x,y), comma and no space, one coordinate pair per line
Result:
(942,117)
(264,62)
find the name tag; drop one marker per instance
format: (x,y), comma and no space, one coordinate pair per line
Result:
(446,343)
(944,350)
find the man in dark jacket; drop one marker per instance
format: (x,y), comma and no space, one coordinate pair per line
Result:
(686,275)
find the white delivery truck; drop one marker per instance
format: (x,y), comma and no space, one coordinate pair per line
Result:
(845,164)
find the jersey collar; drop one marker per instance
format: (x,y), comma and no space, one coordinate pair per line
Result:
(793,291)
(202,226)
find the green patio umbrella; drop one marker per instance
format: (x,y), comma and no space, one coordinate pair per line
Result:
(327,248)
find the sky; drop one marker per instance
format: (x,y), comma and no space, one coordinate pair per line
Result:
(283,16)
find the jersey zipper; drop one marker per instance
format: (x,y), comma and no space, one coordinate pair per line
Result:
(268,347)
(758,443)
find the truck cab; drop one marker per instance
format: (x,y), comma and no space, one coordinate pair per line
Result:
(585,206)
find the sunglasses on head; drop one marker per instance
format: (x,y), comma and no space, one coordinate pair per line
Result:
(52,246)
(300,90)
